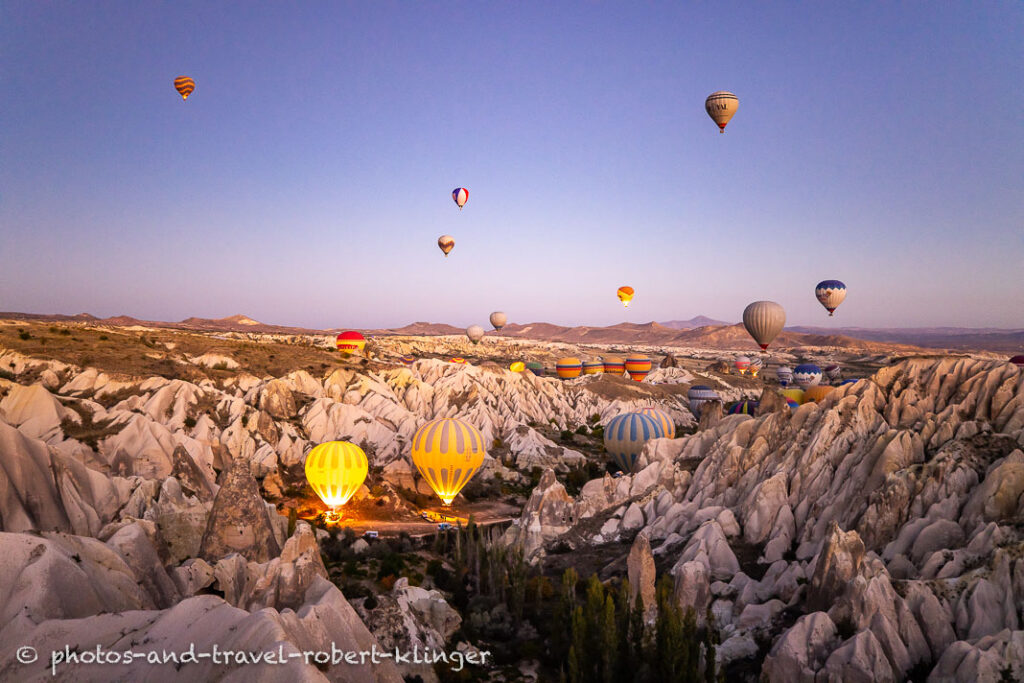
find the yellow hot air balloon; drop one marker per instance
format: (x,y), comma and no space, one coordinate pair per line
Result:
(447,452)
(817,392)
(518,366)
(184,85)
(625,295)
(720,106)
(336,470)
(446,243)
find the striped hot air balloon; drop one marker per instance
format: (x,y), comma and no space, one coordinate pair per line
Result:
(447,452)
(335,470)
(698,396)
(794,395)
(662,419)
(721,106)
(744,407)
(830,293)
(638,367)
(833,372)
(460,196)
(614,365)
(569,368)
(517,366)
(625,436)
(446,243)
(408,359)
(184,85)
(764,320)
(817,392)
(536,368)
(625,295)
(793,405)
(350,342)
(742,364)
(755,366)
(459,360)
(785,375)
(807,375)
(593,367)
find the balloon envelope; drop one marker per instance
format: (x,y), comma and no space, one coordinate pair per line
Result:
(535,367)
(459,360)
(742,363)
(517,366)
(796,395)
(817,392)
(830,293)
(638,367)
(744,407)
(408,359)
(625,436)
(807,375)
(721,106)
(475,333)
(625,295)
(335,470)
(764,320)
(568,368)
(662,419)
(350,342)
(614,365)
(498,320)
(446,243)
(460,196)
(785,375)
(184,85)
(593,367)
(447,452)
(698,396)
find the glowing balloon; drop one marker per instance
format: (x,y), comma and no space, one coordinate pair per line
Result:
(742,363)
(638,367)
(447,452)
(625,436)
(475,333)
(498,320)
(517,366)
(184,85)
(446,243)
(785,375)
(755,366)
(569,368)
(350,342)
(700,395)
(807,375)
(593,367)
(536,368)
(721,106)
(662,419)
(830,293)
(764,320)
(408,359)
(460,196)
(625,295)
(744,407)
(336,470)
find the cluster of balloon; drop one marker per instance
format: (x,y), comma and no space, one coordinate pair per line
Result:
(475,333)
(1018,360)
(764,320)
(625,295)
(830,293)
(664,422)
(785,375)
(721,106)
(335,470)
(816,392)
(794,397)
(625,436)
(350,342)
(517,366)
(614,365)
(807,375)
(833,372)
(536,368)
(446,243)
(744,407)
(698,396)
(638,367)
(593,367)
(184,85)
(498,320)
(755,366)
(569,368)
(742,364)
(447,452)
(408,359)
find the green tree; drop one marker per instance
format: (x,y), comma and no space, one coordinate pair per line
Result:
(609,643)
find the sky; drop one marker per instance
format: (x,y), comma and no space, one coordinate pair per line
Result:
(306,180)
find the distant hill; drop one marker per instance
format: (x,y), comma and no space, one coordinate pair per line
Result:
(987,338)
(693,323)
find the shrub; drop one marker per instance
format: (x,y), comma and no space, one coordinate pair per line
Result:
(24,335)
(104,337)
(190,422)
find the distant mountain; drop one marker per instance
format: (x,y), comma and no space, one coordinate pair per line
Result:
(421,329)
(999,340)
(693,323)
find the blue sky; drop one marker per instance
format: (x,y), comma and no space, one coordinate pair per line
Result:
(307,179)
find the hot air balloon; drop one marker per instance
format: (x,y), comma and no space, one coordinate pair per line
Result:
(517,366)
(755,366)
(807,375)
(569,368)
(830,293)
(698,396)
(625,295)
(475,333)
(849,381)
(447,452)
(625,436)
(638,367)
(817,392)
(662,419)
(536,368)
(794,395)
(184,85)
(593,367)
(408,359)
(764,320)
(459,360)
(744,407)
(461,195)
(335,470)
(833,372)
(742,364)
(350,342)
(1018,360)
(720,106)
(614,365)
(498,320)
(785,375)
(446,243)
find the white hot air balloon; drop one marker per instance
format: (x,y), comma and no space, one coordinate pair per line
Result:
(720,106)
(764,320)
(475,333)
(498,320)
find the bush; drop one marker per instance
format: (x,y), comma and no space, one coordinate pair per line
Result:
(582,429)
(190,422)
(104,337)
(24,335)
